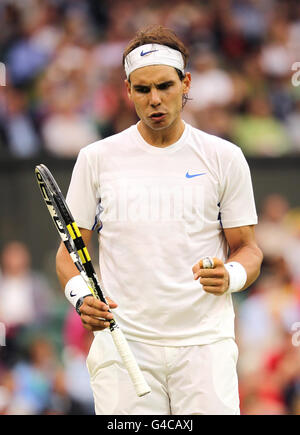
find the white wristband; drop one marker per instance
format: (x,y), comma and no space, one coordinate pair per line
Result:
(237,276)
(75,289)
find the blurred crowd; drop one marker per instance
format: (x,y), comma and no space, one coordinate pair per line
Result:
(43,344)
(65,82)
(268,316)
(65,89)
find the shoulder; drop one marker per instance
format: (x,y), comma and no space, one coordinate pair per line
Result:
(219,154)
(212,144)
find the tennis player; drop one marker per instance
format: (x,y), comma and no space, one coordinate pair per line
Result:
(175,213)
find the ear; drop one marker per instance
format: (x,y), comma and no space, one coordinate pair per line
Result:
(128,88)
(186,82)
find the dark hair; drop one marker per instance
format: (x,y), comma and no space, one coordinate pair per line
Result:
(158,34)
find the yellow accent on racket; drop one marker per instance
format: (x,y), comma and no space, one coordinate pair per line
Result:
(70,229)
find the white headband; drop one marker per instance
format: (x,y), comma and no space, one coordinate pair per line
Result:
(153,54)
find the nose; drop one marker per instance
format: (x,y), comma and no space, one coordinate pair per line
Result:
(155,99)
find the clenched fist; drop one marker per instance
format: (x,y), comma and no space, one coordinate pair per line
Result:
(94,314)
(214,280)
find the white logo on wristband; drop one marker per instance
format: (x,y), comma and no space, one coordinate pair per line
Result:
(237,276)
(75,289)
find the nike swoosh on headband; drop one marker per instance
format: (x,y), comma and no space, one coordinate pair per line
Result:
(162,55)
(147,52)
(194,175)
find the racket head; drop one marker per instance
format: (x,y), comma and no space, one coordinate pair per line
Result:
(62,218)
(42,176)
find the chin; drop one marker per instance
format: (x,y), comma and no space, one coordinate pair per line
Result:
(159,126)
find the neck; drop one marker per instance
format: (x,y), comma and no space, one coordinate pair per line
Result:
(161,138)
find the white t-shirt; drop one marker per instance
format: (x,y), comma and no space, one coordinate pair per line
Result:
(160,210)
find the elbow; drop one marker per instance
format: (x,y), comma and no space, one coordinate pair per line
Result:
(259,255)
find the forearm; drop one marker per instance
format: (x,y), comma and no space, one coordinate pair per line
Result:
(243,249)
(65,268)
(250,257)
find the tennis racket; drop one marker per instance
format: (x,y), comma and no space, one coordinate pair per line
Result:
(73,241)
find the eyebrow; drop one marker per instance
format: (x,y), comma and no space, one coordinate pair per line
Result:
(168,82)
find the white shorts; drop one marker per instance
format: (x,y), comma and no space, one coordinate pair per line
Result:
(184,380)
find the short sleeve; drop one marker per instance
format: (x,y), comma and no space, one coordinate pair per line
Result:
(82,197)
(237,204)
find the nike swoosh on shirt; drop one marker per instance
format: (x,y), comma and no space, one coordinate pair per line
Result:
(194,175)
(72,295)
(147,52)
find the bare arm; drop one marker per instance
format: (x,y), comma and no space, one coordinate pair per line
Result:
(94,313)
(243,249)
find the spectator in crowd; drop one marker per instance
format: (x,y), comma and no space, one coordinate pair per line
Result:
(292,123)
(19,129)
(32,379)
(66,130)
(273,388)
(272,232)
(276,57)
(258,132)
(278,232)
(211,86)
(39,383)
(26,298)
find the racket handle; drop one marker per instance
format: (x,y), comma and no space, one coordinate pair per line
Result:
(130,363)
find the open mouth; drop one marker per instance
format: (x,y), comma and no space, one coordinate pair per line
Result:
(157,116)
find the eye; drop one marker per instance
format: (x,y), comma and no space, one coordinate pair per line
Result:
(142,89)
(164,86)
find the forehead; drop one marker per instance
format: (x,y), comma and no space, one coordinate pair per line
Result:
(153,74)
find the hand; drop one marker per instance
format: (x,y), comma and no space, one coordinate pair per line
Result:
(214,281)
(94,313)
